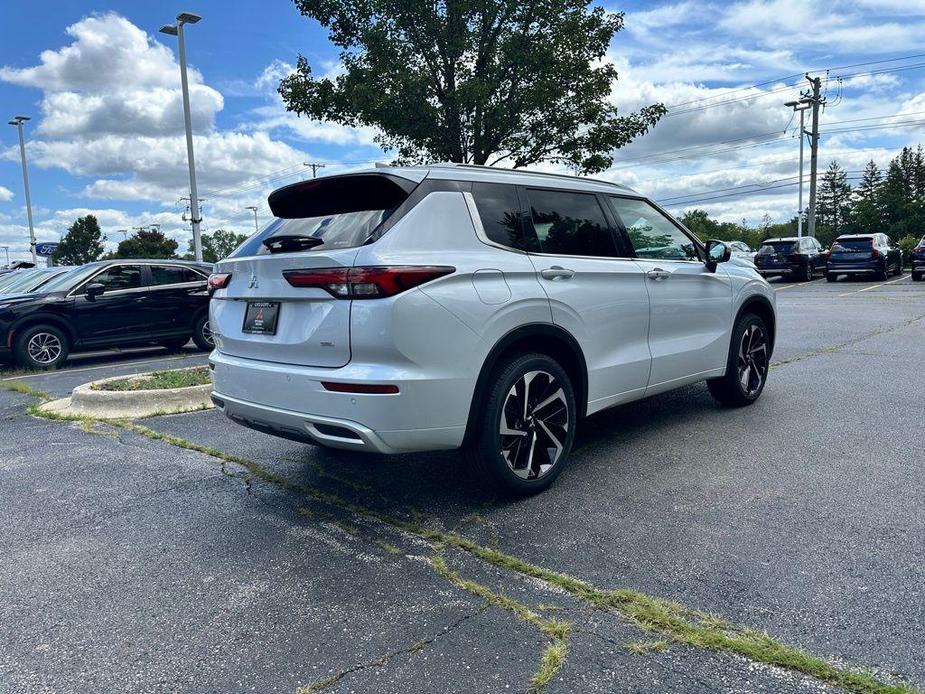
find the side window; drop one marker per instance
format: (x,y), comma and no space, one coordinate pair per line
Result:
(499,210)
(119,277)
(650,233)
(173,274)
(570,224)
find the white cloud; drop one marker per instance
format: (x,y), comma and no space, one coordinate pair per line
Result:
(5,194)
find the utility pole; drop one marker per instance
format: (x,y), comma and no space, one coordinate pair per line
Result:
(314,166)
(253,209)
(800,106)
(18,121)
(177,30)
(817,101)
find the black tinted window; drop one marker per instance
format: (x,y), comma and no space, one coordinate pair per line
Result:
(119,277)
(499,210)
(570,224)
(166,274)
(780,247)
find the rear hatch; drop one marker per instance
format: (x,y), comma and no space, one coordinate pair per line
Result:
(320,223)
(847,252)
(775,253)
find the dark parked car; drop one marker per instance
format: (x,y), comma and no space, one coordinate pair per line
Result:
(799,258)
(864,254)
(918,261)
(107,304)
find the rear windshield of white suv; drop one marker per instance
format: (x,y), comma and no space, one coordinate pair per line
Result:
(347,230)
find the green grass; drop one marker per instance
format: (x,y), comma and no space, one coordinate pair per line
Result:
(160,380)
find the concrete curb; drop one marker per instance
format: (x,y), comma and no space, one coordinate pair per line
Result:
(117,404)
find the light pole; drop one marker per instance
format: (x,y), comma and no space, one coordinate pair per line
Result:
(253,209)
(800,106)
(18,121)
(177,30)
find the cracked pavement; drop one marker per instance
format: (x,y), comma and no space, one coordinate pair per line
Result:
(135,565)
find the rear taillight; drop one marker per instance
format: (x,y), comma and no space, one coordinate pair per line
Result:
(873,251)
(366,282)
(794,257)
(219,280)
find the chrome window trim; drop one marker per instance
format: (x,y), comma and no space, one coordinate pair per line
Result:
(163,263)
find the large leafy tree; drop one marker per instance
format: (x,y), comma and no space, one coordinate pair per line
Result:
(473,81)
(146,243)
(217,245)
(83,243)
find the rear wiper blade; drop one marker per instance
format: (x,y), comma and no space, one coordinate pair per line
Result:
(292,243)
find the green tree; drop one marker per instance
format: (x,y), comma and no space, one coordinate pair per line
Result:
(833,209)
(472,81)
(866,207)
(146,243)
(217,245)
(902,194)
(83,243)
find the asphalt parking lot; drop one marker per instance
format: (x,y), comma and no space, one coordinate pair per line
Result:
(184,553)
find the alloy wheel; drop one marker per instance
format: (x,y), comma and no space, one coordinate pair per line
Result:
(753,359)
(534,425)
(44,348)
(207,333)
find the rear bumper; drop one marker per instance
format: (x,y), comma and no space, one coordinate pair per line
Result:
(290,402)
(852,269)
(778,271)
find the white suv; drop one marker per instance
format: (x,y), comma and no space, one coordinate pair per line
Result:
(452,306)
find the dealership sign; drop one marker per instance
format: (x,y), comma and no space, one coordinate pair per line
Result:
(45,249)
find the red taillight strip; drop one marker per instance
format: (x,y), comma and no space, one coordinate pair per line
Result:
(219,280)
(364,388)
(372,282)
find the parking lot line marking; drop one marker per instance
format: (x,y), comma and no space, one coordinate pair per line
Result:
(874,286)
(91,368)
(780,289)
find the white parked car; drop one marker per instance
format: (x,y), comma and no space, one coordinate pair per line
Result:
(452,306)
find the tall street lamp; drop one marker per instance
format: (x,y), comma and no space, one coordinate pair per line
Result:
(253,209)
(802,105)
(177,30)
(18,121)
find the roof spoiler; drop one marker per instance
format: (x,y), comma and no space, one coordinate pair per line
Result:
(328,195)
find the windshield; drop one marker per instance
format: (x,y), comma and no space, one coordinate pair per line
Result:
(34,281)
(70,279)
(776,247)
(852,245)
(15,277)
(347,230)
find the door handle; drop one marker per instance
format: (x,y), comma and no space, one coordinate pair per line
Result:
(557,272)
(658,274)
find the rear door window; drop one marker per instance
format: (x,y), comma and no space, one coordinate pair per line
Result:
(568,223)
(651,234)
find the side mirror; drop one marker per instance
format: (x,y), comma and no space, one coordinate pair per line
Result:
(717,252)
(94,289)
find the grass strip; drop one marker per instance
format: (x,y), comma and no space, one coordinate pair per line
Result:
(159,380)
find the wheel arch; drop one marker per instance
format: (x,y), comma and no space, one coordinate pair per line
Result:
(42,319)
(761,307)
(544,338)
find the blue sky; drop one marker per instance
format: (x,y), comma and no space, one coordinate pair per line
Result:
(102,88)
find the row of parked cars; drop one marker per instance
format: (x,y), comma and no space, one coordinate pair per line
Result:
(850,254)
(48,313)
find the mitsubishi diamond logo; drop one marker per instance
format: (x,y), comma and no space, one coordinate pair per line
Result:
(253,283)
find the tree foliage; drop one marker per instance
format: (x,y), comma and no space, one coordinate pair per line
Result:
(833,209)
(83,243)
(217,245)
(473,81)
(146,243)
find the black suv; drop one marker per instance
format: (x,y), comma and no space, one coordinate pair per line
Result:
(862,254)
(107,304)
(918,261)
(799,258)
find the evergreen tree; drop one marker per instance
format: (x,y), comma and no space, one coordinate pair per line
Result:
(833,208)
(83,243)
(866,207)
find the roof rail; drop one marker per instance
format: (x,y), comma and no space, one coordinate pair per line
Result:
(452,165)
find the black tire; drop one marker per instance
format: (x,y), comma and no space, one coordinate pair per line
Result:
(881,274)
(917,277)
(808,272)
(41,347)
(831,277)
(748,334)
(899,268)
(552,425)
(202,336)
(175,344)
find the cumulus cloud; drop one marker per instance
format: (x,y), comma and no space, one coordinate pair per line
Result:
(5,194)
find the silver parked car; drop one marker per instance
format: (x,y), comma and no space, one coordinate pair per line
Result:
(453,306)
